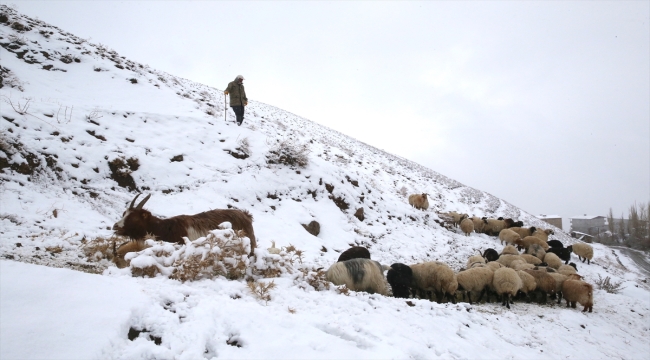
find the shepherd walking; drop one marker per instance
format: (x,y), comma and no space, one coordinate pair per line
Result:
(238,97)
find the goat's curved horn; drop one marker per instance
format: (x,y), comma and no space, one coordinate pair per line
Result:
(133,201)
(141,204)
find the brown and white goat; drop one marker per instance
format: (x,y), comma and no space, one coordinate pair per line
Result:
(136,222)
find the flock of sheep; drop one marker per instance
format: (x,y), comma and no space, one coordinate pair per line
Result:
(529,265)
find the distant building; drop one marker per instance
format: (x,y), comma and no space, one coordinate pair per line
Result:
(588,224)
(555,220)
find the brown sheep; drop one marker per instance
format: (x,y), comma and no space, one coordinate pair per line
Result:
(543,234)
(419,201)
(575,290)
(545,283)
(523,231)
(435,277)
(467,226)
(508,236)
(529,240)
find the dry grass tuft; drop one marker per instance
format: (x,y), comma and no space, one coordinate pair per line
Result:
(262,290)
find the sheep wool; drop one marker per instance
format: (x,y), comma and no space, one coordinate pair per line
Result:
(506,283)
(494,265)
(478,224)
(355,252)
(531,259)
(436,277)
(494,226)
(552,260)
(575,290)
(543,234)
(358,275)
(537,251)
(474,259)
(508,236)
(523,231)
(400,277)
(509,250)
(530,240)
(559,281)
(475,279)
(583,250)
(505,260)
(567,270)
(419,201)
(528,282)
(467,226)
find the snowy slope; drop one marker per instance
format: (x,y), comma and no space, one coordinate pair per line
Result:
(69,108)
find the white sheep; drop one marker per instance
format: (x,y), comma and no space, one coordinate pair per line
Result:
(583,250)
(474,279)
(467,226)
(531,259)
(575,290)
(528,283)
(359,275)
(505,260)
(567,270)
(506,283)
(509,250)
(478,224)
(474,260)
(494,265)
(552,260)
(508,236)
(543,234)
(419,201)
(436,277)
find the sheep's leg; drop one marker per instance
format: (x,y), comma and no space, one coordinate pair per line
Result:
(481,295)
(451,298)
(585,309)
(573,304)
(588,261)
(559,298)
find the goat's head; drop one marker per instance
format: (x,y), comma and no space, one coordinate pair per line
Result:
(134,220)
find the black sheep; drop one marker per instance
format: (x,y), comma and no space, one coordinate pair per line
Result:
(399,277)
(555,243)
(490,255)
(355,252)
(562,253)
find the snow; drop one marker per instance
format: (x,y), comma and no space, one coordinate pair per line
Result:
(59,302)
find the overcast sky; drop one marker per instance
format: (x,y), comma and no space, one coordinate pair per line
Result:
(543,104)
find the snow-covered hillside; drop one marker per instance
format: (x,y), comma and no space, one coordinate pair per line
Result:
(84,130)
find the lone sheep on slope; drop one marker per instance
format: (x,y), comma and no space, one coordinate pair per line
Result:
(359,275)
(467,226)
(419,201)
(584,251)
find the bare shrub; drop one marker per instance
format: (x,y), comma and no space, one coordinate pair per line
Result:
(612,287)
(275,265)
(262,290)
(315,278)
(289,152)
(223,252)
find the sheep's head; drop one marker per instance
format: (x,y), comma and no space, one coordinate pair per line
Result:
(549,232)
(574,277)
(134,220)
(532,229)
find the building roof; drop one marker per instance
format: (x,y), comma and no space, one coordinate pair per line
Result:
(587,217)
(543,216)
